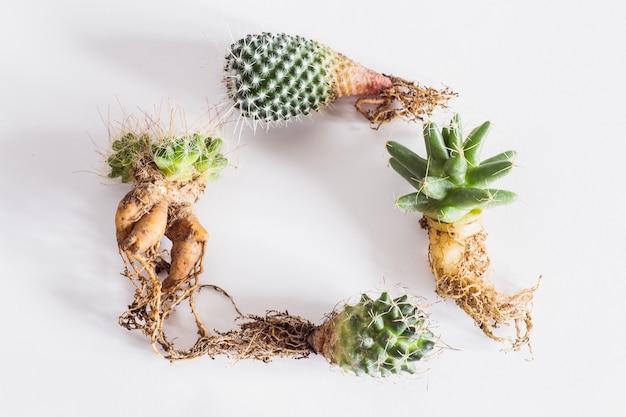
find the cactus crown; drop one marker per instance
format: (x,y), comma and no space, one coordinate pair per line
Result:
(274,77)
(452,182)
(178,158)
(381,337)
(188,157)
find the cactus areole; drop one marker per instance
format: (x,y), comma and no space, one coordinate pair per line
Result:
(272,78)
(453,188)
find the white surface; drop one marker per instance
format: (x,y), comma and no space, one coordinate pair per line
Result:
(304,217)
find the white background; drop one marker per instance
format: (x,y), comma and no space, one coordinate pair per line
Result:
(303,217)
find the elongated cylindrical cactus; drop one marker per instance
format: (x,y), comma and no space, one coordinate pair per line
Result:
(275,77)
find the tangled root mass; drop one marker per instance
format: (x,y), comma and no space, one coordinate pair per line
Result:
(276,334)
(459,261)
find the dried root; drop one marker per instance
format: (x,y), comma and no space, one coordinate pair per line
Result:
(458,259)
(404,99)
(156,209)
(164,279)
(274,335)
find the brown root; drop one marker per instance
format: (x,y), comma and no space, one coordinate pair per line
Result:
(274,335)
(188,242)
(148,230)
(147,214)
(161,208)
(135,204)
(459,261)
(324,337)
(404,99)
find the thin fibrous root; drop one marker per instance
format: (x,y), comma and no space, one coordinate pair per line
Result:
(459,261)
(404,99)
(276,334)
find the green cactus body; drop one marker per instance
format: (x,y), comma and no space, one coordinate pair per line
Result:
(179,158)
(378,337)
(188,157)
(452,183)
(453,189)
(272,78)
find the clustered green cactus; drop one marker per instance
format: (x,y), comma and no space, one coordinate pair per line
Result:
(128,152)
(452,182)
(179,158)
(187,157)
(380,337)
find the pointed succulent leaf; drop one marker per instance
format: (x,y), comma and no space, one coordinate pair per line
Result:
(445,133)
(456,167)
(431,186)
(435,146)
(466,198)
(430,207)
(504,156)
(479,198)
(474,142)
(454,135)
(451,214)
(500,198)
(455,184)
(412,162)
(405,173)
(414,202)
(436,187)
(485,174)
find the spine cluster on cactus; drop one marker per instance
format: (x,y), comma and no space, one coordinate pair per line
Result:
(452,182)
(180,158)
(186,157)
(274,77)
(377,337)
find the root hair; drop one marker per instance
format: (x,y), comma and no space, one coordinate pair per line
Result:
(277,334)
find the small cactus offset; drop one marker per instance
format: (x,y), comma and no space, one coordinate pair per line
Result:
(452,182)
(275,77)
(378,337)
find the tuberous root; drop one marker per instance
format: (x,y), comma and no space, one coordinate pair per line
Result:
(148,213)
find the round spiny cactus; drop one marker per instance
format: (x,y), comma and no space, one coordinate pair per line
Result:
(377,337)
(187,157)
(275,77)
(452,182)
